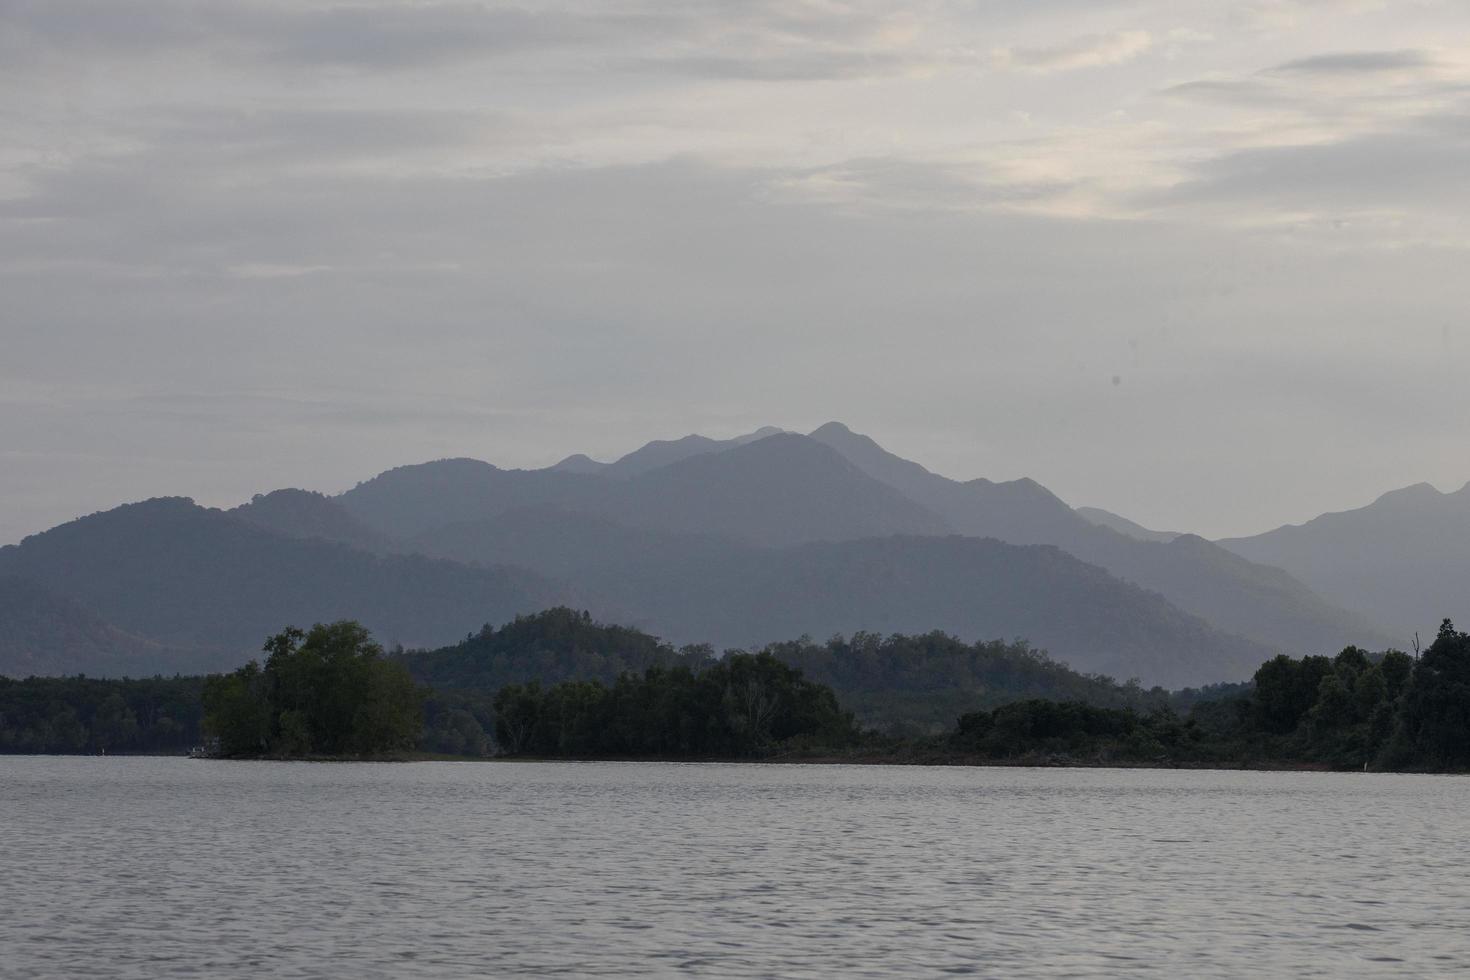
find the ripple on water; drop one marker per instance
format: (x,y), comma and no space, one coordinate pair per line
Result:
(166,867)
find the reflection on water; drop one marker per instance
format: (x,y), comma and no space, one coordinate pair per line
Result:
(169,867)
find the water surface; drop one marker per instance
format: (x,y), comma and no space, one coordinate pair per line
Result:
(147,868)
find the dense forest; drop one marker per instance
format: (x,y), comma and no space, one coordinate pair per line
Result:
(82,714)
(743,705)
(561,685)
(1352,711)
(901,685)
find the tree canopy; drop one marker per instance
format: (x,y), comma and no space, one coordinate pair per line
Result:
(326,691)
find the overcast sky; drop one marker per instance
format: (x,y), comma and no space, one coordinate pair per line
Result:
(1204,264)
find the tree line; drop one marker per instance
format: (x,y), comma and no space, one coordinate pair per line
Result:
(1352,711)
(65,715)
(744,705)
(332,691)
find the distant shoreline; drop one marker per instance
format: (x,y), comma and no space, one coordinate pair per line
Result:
(875,760)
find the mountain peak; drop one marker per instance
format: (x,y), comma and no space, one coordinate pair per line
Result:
(579,463)
(1414,493)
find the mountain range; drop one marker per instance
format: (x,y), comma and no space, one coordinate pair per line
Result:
(1403,560)
(736,542)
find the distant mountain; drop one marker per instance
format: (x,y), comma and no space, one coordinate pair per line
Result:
(1019,511)
(970,587)
(776,490)
(698,588)
(737,542)
(189,577)
(304,514)
(1105,518)
(783,489)
(1240,597)
(1403,559)
(408,500)
(44,634)
(659,453)
(571,546)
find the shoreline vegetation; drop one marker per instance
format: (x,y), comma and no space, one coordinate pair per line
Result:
(559,686)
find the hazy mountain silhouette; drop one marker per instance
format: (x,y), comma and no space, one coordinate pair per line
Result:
(190,577)
(780,489)
(408,500)
(737,542)
(1240,597)
(974,588)
(1403,559)
(659,453)
(44,634)
(304,514)
(571,546)
(698,588)
(1132,529)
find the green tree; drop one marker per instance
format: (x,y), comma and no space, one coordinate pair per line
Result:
(327,690)
(1434,724)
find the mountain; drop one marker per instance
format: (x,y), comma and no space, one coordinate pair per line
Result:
(569,545)
(189,577)
(1019,511)
(973,588)
(738,542)
(1403,559)
(659,453)
(1105,518)
(1240,597)
(779,489)
(697,588)
(782,489)
(408,500)
(44,634)
(304,514)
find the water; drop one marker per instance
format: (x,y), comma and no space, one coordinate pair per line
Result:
(169,867)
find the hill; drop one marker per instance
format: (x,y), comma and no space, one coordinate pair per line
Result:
(304,514)
(44,634)
(200,579)
(1403,559)
(909,682)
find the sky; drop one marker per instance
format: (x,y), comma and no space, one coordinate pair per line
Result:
(1203,264)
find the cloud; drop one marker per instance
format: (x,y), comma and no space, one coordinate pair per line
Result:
(1358,62)
(1416,167)
(798,67)
(754,40)
(1092,51)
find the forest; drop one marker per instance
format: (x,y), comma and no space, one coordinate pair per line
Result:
(559,685)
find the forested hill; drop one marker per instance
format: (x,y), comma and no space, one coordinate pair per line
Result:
(555,645)
(895,682)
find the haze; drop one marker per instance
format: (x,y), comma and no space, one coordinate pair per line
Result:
(1201,264)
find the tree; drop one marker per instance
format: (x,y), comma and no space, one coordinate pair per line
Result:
(1435,719)
(328,690)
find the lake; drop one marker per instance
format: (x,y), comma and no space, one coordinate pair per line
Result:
(154,867)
